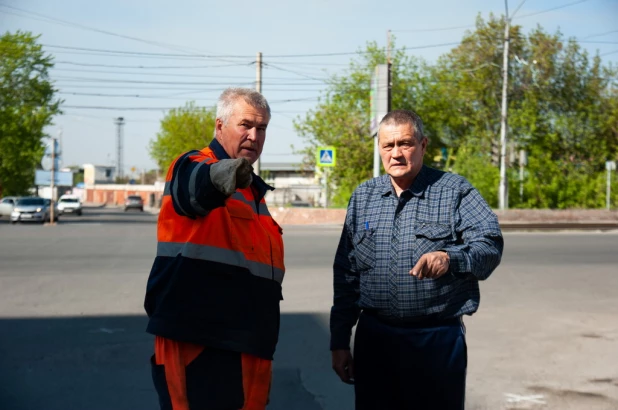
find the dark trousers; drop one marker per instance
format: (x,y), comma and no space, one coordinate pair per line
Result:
(406,366)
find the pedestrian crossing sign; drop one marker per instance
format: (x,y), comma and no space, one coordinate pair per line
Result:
(326,156)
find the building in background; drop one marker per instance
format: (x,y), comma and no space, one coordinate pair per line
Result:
(294,184)
(99,174)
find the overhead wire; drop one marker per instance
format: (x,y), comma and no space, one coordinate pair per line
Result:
(156,67)
(101,107)
(177,74)
(55,20)
(599,34)
(552,9)
(142,53)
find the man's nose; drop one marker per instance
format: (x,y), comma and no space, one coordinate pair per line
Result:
(252,134)
(396,152)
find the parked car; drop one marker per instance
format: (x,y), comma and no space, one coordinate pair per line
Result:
(32,209)
(134,202)
(69,204)
(6,205)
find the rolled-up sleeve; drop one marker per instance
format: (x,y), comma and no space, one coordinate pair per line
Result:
(480,242)
(345,311)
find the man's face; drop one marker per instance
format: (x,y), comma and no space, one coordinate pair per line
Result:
(402,154)
(245,132)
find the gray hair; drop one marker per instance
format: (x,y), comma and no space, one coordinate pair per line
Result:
(403,117)
(229,97)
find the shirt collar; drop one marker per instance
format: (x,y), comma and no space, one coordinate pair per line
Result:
(220,153)
(416,189)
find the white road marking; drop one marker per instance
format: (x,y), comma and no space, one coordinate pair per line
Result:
(518,398)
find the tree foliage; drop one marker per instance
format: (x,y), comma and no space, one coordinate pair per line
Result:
(183,129)
(341,118)
(562,112)
(27,105)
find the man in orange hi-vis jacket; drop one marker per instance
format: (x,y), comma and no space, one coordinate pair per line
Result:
(214,289)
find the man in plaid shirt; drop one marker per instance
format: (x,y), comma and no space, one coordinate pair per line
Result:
(414,245)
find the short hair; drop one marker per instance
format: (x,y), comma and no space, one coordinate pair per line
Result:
(402,117)
(229,97)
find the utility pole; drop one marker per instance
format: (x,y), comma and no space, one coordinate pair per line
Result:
(119,146)
(325,187)
(503,190)
(523,161)
(52,183)
(609,166)
(258,88)
(389,84)
(389,62)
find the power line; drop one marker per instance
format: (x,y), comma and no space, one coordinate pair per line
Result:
(473,25)
(111,80)
(425,30)
(156,67)
(292,71)
(162,56)
(599,42)
(552,9)
(82,27)
(140,53)
(98,107)
(170,97)
(118,53)
(600,34)
(169,74)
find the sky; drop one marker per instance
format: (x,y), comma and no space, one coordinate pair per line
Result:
(160,54)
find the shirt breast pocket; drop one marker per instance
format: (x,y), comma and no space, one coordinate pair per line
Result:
(365,250)
(432,237)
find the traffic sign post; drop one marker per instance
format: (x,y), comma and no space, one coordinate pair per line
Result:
(609,166)
(326,157)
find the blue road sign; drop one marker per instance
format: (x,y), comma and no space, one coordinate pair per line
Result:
(326,156)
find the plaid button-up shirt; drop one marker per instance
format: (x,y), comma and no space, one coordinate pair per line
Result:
(384,236)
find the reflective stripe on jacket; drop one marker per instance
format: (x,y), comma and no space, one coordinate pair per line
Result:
(216,279)
(242,233)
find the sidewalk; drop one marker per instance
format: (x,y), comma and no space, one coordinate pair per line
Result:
(512,219)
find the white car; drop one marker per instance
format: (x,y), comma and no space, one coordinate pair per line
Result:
(6,205)
(69,204)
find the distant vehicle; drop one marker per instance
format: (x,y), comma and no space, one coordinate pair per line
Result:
(134,202)
(32,209)
(69,204)
(300,204)
(6,205)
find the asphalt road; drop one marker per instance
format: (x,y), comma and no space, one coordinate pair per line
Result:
(72,324)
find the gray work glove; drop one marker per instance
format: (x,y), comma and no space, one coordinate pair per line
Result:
(229,174)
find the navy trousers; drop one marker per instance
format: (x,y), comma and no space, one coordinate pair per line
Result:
(409,366)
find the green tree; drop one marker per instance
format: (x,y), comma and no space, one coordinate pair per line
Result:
(341,118)
(27,105)
(563,111)
(560,101)
(183,129)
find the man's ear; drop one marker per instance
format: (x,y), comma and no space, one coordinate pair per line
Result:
(218,125)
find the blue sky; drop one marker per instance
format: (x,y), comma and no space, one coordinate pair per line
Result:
(232,32)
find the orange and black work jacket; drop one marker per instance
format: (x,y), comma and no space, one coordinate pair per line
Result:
(216,279)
